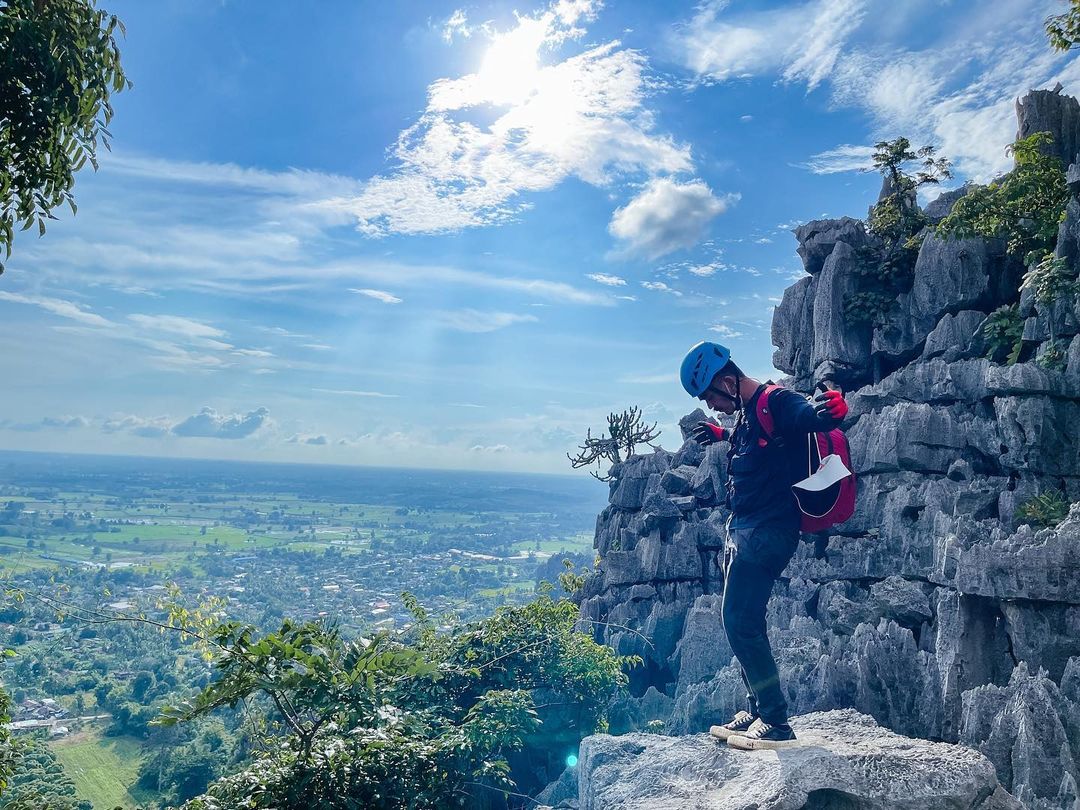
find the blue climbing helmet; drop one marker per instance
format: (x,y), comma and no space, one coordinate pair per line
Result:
(700,366)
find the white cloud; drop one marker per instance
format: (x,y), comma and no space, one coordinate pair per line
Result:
(184,327)
(471,320)
(320,440)
(725,331)
(378,295)
(955,90)
(457,24)
(583,117)
(667,215)
(59,307)
(494,448)
(609,280)
(801,42)
(844,158)
(209,424)
(706,270)
(348,393)
(147,428)
(659,286)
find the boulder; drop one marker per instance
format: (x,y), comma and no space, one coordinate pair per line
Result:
(818,238)
(843,760)
(953,335)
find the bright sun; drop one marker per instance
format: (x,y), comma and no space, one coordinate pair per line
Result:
(511,67)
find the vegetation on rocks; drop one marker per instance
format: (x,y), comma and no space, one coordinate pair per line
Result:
(887,268)
(626,430)
(1003,332)
(1024,207)
(1044,510)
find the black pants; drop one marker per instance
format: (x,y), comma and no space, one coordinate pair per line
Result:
(754,558)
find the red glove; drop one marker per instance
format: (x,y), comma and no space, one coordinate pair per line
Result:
(831,404)
(708,433)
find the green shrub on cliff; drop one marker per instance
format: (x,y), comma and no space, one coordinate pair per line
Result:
(1003,332)
(1024,207)
(1044,510)
(462,718)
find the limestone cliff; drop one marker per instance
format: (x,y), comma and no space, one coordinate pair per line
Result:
(931,609)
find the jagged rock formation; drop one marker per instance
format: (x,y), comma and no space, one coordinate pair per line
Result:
(931,610)
(844,761)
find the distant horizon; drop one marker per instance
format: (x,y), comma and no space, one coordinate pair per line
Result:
(273,462)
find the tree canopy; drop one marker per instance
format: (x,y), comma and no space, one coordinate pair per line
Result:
(59,66)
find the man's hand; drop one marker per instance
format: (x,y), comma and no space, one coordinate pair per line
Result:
(708,433)
(831,403)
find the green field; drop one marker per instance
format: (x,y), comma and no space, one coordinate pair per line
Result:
(104,769)
(576,544)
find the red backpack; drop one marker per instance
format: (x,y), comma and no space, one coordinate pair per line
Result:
(825,507)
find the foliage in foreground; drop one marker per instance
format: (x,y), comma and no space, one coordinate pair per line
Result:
(470,717)
(1063,29)
(59,64)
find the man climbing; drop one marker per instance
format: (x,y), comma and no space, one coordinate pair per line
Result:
(763,530)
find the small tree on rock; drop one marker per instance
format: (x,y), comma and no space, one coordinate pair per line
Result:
(626,430)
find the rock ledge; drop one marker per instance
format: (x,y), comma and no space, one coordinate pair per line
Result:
(843,760)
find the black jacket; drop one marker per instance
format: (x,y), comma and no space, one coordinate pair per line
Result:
(760,473)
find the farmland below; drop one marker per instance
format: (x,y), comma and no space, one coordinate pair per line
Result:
(93,549)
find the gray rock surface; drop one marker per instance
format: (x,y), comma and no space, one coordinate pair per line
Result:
(951,275)
(940,207)
(843,760)
(818,238)
(1053,112)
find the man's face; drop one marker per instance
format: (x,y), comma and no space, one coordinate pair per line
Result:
(714,396)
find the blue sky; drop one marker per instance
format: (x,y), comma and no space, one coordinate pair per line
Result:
(445,235)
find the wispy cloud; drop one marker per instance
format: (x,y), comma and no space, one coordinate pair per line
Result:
(801,43)
(605,278)
(350,393)
(659,286)
(471,320)
(725,331)
(59,307)
(667,215)
(955,90)
(456,25)
(378,295)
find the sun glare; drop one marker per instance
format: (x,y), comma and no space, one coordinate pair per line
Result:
(511,67)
